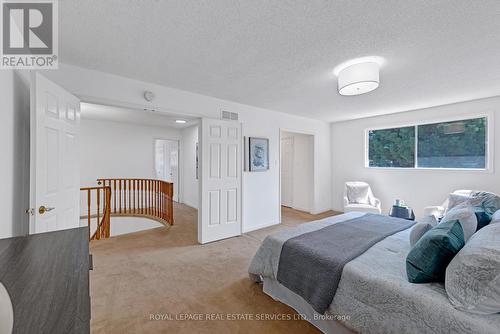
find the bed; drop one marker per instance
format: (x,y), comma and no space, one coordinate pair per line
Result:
(373,295)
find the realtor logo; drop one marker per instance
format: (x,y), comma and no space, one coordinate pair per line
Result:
(29,34)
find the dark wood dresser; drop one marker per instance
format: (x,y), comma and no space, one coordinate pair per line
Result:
(47,277)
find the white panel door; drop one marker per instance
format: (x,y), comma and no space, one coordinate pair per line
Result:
(54,152)
(219,214)
(287,147)
(167,163)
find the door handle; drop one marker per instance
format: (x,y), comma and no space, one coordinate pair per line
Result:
(42,209)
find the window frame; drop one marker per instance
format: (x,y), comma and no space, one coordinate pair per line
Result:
(464,117)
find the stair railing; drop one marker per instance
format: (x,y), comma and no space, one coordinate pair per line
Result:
(98,211)
(135,197)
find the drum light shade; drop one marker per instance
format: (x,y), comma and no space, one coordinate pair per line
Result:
(358,78)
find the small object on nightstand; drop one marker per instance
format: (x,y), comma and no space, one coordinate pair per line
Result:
(400,210)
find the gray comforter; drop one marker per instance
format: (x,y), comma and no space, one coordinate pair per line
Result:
(311,264)
(374,291)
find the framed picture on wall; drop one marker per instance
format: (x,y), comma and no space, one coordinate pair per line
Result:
(258,154)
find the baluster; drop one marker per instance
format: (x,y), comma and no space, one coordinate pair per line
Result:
(150,196)
(141,205)
(129,196)
(161,199)
(150,205)
(120,193)
(166,199)
(89,198)
(165,194)
(171,203)
(108,212)
(156,199)
(114,195)
(98,234)
(134,182)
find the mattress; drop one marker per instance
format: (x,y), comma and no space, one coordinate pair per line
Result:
(374,295)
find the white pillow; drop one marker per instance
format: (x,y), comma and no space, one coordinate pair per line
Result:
(456,199)
(495,218)
(358,194)
(467,218)
(473,276)
(418,230)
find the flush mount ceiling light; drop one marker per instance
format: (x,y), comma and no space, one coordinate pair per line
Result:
(358,76)
(180,121)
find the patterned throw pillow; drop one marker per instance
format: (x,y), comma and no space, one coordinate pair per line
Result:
(419,229)
(467,217)
(473,276)
(489,202)
(427,261)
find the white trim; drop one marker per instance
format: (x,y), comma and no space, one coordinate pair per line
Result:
(312,199)
(32,158)
(179,166)
(490,140)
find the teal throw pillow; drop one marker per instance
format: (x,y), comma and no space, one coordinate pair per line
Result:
(428,259)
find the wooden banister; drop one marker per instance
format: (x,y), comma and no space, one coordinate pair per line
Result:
(136,197)
(100,210)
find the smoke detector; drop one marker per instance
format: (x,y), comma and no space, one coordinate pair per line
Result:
(149,96)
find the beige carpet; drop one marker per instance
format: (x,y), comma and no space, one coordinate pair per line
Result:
(165,274)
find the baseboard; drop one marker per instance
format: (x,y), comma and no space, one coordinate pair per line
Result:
(258,227)
(191,205)
(301,209)
(323,210)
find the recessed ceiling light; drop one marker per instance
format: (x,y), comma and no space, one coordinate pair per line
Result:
(180,121)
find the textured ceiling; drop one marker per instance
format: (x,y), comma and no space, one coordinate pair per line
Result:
(280,54)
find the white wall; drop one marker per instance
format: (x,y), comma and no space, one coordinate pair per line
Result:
(261,205)
(419,188)
(302,179)
(114,150)
(189,182)
(14,153)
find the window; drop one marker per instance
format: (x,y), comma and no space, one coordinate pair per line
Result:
(392,147)
(456,144)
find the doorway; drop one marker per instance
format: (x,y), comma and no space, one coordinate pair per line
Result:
(167,163)
(297,170)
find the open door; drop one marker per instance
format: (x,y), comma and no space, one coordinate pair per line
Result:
(219,213)
(167,163)
(54,157)
(287,171)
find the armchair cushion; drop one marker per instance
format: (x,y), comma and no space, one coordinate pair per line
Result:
(358,193)
(361,208)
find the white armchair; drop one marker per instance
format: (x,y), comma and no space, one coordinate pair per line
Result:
(358,196)
(438,211)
